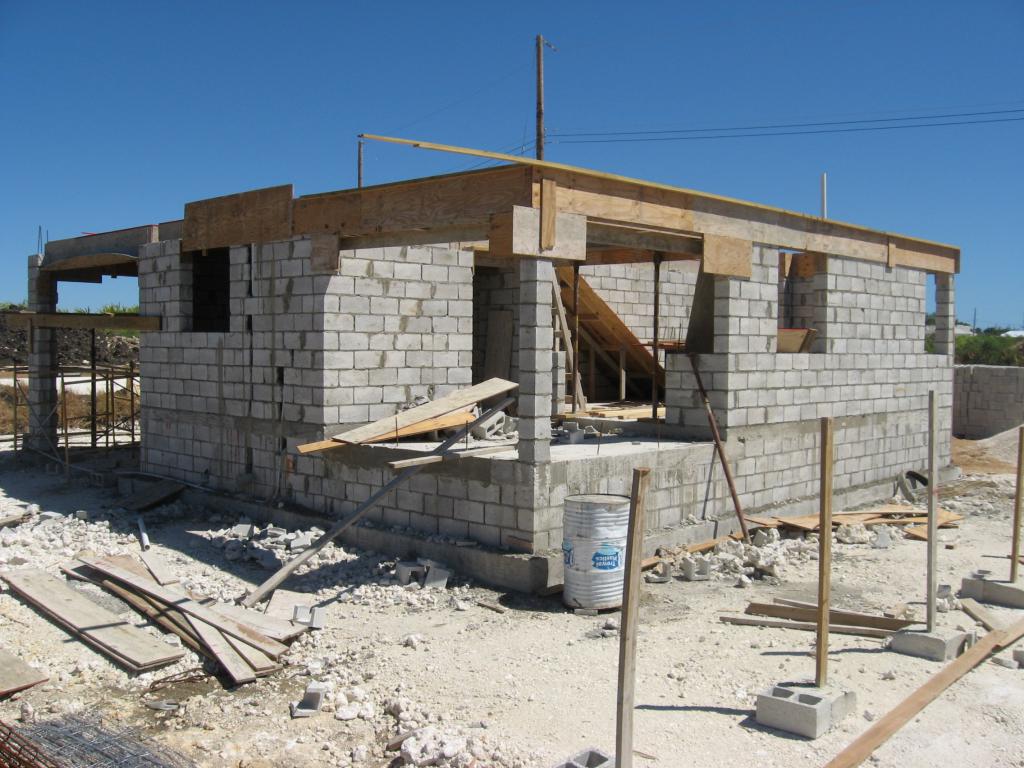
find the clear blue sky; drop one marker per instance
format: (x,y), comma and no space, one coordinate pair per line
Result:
(117,113)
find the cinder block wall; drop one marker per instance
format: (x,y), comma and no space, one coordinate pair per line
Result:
(987,400)
(874,380)
(629,290)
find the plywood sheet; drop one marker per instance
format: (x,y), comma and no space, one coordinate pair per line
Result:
(16,675)
(258,216)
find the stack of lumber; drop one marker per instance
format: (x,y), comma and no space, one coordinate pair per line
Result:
(796,614)
(448,412)
(891,514)
(246,644)
(127,645)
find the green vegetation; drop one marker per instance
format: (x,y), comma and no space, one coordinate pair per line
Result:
(990,347)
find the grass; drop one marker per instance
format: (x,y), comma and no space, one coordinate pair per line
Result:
(78,410)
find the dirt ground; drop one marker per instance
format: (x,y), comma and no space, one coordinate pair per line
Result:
(532,685)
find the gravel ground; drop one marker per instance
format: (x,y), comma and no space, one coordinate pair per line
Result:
(529,686)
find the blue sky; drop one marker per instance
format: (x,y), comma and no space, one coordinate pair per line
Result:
(116,114)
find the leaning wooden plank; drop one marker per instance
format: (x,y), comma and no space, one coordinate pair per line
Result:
(186,605)
(456,401)
(448,421)
(864,745)
(341,526)
(805,626)
(420,461)
(764,522)
(980,613)
(810,613)
(152,495)
(16,675)
(230,660)
(261,622)
(94,624)
(156,565)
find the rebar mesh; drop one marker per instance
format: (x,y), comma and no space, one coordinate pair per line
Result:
(83,743)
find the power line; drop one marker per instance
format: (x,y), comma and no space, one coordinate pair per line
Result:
(787,125)
(784,133)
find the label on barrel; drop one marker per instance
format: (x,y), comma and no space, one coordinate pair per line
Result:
(567,557)
(607,558)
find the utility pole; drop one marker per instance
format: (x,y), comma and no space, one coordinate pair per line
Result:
(540,98)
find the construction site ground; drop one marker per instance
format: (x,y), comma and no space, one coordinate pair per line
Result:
(529,686)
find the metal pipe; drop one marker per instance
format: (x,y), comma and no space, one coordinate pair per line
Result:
(143,536)
(654,342)
(576,386)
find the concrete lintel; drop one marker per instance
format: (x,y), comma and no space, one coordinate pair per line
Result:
(517,233)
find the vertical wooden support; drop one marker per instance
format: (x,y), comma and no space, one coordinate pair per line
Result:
(630,612)
(14,428)
(592,372)
(359,166)
(824,551)
(622,374)
(1017,503)
(933,496)
(64,418)
(110,406)
(131,397)
(576,385)
(548,213)
(654,342)
(92,386)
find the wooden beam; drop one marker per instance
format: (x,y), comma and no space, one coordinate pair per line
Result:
(809,612)
(519,232)
(864,745)
(257,216)
(447,421)
(566,336)
(804,626)
(824,551)
(548,213)
(622,235)
(980,613)
(729,256)
(82,320)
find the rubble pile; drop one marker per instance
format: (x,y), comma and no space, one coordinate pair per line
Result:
(765,558)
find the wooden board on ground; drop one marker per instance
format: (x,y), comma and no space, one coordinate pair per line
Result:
(498,352)
(980,613)
(186,605)
(16,675)
(152,494)
(920,532)
(623,412)
(809,612)
(704,546)
(263,623)
(282,603)
(764,522)
(156,565)
(97,626)
(804,626)
(456,401)
(236,667)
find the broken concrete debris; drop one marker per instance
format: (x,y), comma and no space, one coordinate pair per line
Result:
(312,700)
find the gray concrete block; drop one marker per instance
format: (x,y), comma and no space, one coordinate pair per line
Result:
(589,758)
(938,645)
(808,712)
(312,700)
(995,592)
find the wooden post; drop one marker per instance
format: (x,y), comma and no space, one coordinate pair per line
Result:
(627,632)
(92,386)
(359,166)
(131,397)
(576,385)
(1015,550)
(622,374)
(64,418)
(933,496)
(824,551)
(654,342)
(14,430)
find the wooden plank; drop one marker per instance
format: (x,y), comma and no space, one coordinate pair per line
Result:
(809,612)
(434,458)
(449,421)
(189,607)
(16,675)
(442,406)
(258,621)
(792,339)
(92,623)
(282,603)
(764,522)
(548,213)
(257,216)
(729,256)
(613,198)
(804,626)
(980,613)
(126,322)
(864,745)
(12,520)
(156,566)
(498,352)
(236,667)
(704,546)
(563,330)
(152,494)
(260,663)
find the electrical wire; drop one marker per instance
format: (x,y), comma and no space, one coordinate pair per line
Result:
(785,125)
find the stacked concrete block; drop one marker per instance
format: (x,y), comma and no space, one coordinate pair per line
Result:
(987,400)
(629,291)
(495,289)
(945,315)
(536,341)
(42,361)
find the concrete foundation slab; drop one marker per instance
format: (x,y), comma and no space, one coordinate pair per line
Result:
(808,712)
(995,592)
(938,645)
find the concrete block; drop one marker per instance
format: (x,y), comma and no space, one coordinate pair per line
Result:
(243,530)
(301,541)
(408,571)
(937,646)
(1018,656)
(436,578)
(995,592)
(312,700)
(808,712)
